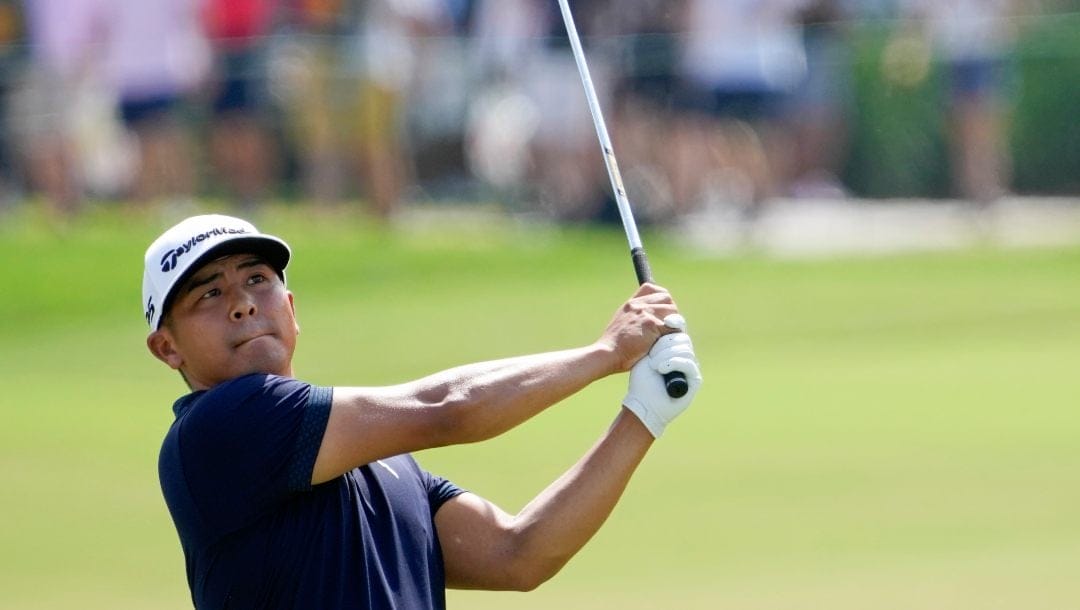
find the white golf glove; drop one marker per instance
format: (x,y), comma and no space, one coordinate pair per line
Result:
(647,397)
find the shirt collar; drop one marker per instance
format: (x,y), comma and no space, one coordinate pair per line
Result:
(184,402)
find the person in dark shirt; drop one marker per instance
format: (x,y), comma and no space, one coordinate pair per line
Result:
(290,495)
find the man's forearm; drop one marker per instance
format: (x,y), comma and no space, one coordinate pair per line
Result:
(485,399)
(480,401)
(460,405)
(555,525)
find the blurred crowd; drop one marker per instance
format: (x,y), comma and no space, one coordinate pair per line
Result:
(710,103)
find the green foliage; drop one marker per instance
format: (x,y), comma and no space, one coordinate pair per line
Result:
(900,429)
(898,140)
(899,147)
(1046,133)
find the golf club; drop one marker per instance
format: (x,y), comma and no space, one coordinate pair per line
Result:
(675,381)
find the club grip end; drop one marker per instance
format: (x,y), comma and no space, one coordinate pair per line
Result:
(676,384)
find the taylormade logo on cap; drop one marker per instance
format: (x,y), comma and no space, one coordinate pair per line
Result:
(194,241)
(168,262)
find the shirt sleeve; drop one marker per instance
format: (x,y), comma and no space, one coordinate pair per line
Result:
(439,490)
(249,444)
(309,438)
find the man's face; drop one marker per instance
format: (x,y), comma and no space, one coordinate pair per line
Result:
(231,318)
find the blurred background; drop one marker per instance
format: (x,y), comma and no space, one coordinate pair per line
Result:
(868,209)
(717,108)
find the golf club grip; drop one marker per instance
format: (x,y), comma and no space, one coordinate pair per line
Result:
(641,265)
(674,382)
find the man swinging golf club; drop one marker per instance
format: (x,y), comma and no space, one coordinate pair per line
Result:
(290,495)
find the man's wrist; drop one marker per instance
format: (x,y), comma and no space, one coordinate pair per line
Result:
(648,418)
(604,354)
(629,423)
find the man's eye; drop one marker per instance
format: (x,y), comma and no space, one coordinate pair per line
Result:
(258,278)
(213,292)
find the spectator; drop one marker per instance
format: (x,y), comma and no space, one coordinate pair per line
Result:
(391,39)
(740,61)
(971,38)
(12,58)
(155,54)
(60,36)
(569,165)
(820,105)
(502,118)
(529,65)
(303,80)
(347,81)
(240,147)
(645,111)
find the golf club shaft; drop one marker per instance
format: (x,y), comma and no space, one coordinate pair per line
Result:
(641,263)
(675,381)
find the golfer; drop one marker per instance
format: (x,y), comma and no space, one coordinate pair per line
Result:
(290,495)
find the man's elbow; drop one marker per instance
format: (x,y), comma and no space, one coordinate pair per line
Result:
(502,558)
(528,570)
(529,578)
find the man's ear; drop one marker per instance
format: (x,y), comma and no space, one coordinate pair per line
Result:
(162,346)
(292,305)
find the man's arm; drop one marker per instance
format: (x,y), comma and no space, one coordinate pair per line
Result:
(479,401)
(485,548)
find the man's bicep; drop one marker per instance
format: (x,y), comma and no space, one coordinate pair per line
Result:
(366,424)
(477,540)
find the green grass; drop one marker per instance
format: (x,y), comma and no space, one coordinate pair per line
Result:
(881,433)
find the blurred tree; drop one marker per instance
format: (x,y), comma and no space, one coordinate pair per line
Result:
(1045,133)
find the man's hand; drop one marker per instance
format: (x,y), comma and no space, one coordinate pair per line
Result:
(647,397)
(637,325)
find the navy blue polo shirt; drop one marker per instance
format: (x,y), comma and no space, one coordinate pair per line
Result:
(235,469)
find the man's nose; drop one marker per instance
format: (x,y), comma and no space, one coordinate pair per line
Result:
(243,305)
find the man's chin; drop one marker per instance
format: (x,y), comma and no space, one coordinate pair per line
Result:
(273,360)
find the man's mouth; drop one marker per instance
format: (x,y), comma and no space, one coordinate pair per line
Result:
(251,338)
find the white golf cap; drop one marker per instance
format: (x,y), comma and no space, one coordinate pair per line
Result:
(184,248)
